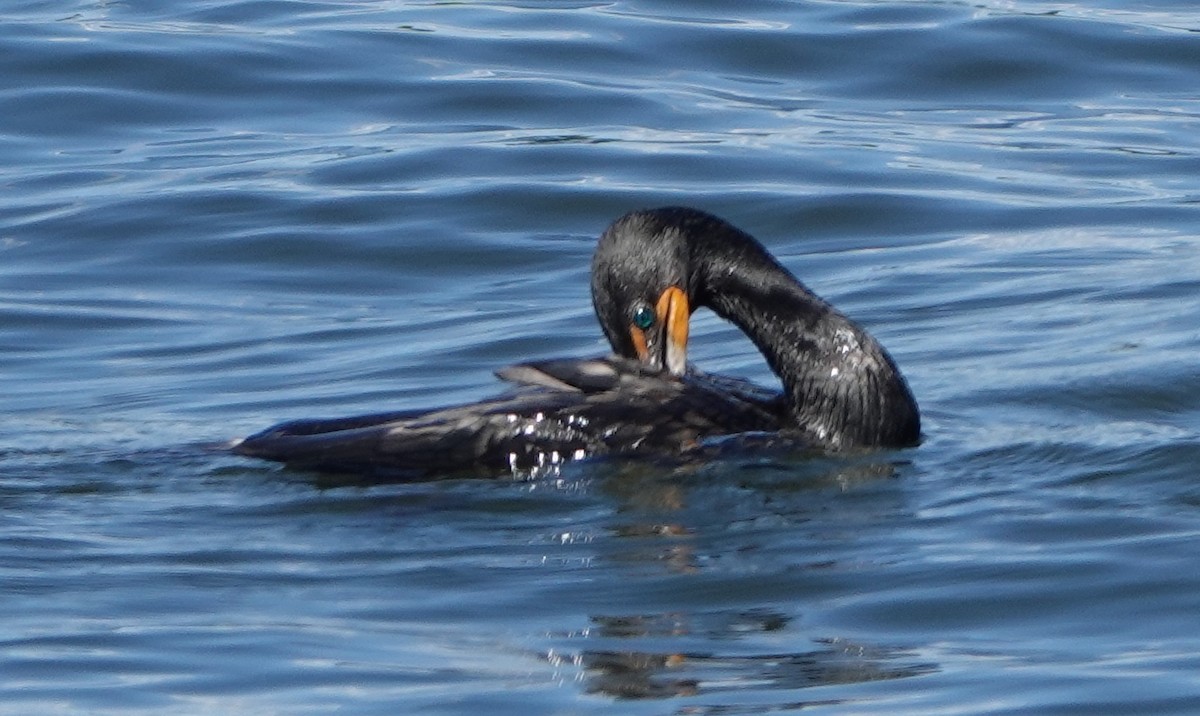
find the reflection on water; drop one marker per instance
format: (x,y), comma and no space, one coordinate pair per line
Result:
(622,671)
(664,520)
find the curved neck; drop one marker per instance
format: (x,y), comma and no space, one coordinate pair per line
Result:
(843,388)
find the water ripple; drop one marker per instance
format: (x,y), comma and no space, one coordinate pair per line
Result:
(216,215)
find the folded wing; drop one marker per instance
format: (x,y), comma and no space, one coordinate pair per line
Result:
(557,411)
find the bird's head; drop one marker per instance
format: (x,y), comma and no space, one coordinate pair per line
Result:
(640,280)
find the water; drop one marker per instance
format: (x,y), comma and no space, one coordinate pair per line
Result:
(216,215)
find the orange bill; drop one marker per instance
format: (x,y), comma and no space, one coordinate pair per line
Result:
(639,343)
(673,316)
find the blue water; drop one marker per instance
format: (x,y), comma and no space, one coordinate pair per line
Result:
(219,214)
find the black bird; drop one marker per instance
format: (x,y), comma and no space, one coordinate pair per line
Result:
(651,269)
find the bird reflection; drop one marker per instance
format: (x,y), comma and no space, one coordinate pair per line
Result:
(667,520)
(660,674)
(662,513)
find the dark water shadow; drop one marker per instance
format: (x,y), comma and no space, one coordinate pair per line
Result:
(713,676)
(716,528)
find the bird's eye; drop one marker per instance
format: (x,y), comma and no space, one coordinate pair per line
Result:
(643,318)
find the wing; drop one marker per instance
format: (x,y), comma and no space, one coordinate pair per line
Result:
(559,410)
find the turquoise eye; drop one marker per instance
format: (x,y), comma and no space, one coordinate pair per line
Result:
(643,318)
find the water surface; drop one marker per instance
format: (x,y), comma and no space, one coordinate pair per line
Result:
(221,214)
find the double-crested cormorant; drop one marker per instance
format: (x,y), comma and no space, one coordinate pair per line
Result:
(651,269)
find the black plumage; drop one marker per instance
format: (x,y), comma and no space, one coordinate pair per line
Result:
(650,270)
(842,388)
(558,411)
